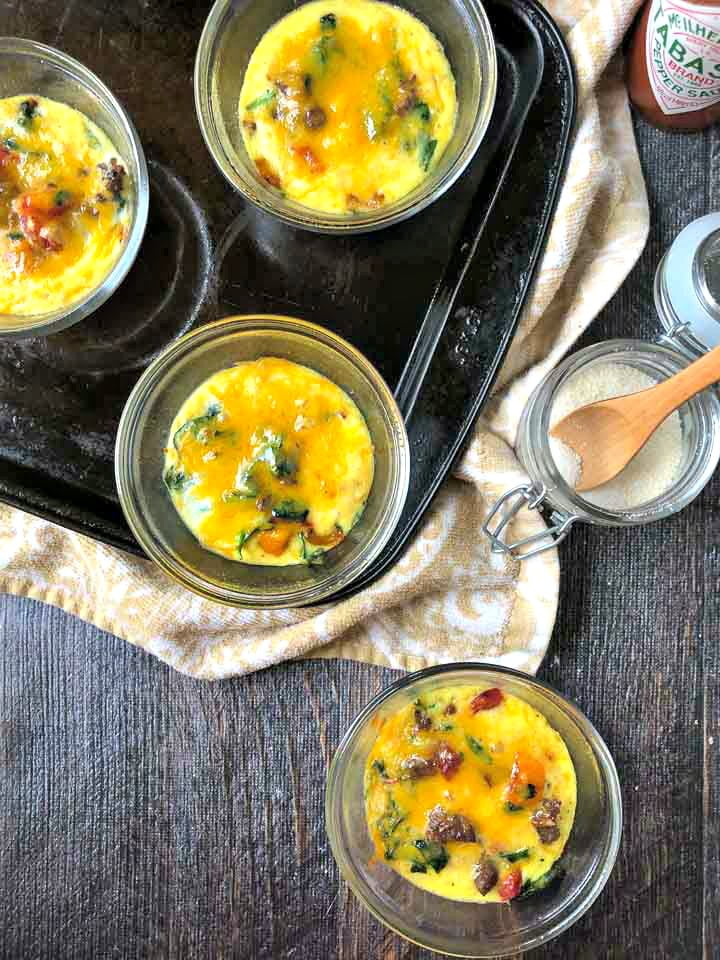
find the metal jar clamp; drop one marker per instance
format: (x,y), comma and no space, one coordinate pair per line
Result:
(531,496)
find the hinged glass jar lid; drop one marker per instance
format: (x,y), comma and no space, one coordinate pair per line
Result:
(667,474)
(687,286)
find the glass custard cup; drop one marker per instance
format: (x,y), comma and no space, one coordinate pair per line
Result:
(230,35)
(548,491)
(30,67)
(143,432)
(461,928)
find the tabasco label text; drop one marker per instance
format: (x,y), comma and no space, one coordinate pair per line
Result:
(683,55)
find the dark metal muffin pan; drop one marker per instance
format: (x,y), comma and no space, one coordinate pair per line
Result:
(433,302)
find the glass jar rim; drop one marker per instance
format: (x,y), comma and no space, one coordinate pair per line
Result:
(704,408)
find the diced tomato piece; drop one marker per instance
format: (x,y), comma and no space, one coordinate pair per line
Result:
(527,780)
(510,885)
(487,700)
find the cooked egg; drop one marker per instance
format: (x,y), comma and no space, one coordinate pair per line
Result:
(347,105)
(269,463)
(470,794)
(64,205)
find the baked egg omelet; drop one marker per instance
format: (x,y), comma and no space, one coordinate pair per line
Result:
(347,105)
(270,463)
(64,205)
(470,794)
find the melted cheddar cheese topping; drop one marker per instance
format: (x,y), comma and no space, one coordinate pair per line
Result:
(64,205)
(347,105)
(269,463)
(470,794)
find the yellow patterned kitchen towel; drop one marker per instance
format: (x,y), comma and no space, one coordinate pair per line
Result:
(448,598)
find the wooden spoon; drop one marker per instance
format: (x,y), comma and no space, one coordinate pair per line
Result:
(606,435)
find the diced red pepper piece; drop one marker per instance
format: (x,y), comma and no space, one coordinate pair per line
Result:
(267,172)
(42,231)
(487,700)
(7,157)
(311,159)
(510,885)
(46,203)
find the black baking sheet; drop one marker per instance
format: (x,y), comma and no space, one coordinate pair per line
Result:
(432,302)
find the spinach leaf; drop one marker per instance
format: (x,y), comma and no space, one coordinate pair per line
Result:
(16,235)
(477,748)
(280,462)
(285,466)
(380,768)
(26,114)
(175,480)
(515,855)
(92,140)
(244,536)
(321,50)
(328,21)
(553,876)
(530,791)
(313,556)
(512,807)
(232,496)
(198,426)
(271,452)
(388,824)
(432,855)
(289,510)
(242,539)
(327,45)
(246,487)
(61,198)
(427,150)
(262,101)
(423,111)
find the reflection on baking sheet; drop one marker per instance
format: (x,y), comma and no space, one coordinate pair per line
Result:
(366,288)
(167,292)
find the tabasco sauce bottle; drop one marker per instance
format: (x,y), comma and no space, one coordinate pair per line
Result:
(673,67)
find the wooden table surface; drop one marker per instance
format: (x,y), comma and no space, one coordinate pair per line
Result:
(143,814)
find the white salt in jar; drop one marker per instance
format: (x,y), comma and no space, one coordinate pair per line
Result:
(666,475)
